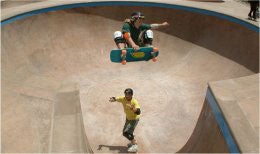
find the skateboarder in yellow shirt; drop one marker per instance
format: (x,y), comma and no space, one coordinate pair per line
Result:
(132,111)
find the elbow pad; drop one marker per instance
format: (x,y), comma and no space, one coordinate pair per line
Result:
(138,111)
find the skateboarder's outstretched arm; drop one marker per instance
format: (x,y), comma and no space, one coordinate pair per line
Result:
(156,26)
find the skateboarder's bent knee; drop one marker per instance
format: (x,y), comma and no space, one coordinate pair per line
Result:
(129,136)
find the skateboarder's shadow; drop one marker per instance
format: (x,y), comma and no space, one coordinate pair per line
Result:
(119,149)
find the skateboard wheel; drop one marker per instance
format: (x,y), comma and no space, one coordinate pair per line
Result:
(155,49)
(123,62)
(124,52)
(154,60)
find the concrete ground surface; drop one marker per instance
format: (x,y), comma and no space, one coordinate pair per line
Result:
(56,80)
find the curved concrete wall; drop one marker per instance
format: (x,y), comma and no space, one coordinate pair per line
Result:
(207,136)
(215,31)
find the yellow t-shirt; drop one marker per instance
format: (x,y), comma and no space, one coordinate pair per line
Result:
(130,115)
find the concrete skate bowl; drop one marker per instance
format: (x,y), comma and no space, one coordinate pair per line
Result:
(57,77)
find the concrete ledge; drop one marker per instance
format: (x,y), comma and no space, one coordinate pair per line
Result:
(207,136)
(68,133)
(228,122)
(238,100)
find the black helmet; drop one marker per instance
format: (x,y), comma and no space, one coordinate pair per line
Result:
(129,91)
(137,15)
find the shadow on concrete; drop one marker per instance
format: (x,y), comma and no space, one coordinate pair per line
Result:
(119,149)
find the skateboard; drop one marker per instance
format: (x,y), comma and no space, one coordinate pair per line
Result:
(130,55)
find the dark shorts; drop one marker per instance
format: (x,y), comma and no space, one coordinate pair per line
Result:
(130,126)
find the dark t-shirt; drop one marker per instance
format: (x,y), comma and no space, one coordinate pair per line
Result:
(134,32)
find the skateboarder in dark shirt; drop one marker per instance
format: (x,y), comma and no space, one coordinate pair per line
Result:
(135,33)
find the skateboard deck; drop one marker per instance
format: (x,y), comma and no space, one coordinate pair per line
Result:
(143,54)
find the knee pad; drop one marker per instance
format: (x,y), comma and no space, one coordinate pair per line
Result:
(128,136)
(149,34)
(118,37)
(148,37)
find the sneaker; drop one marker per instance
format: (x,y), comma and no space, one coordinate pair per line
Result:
(133,148)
